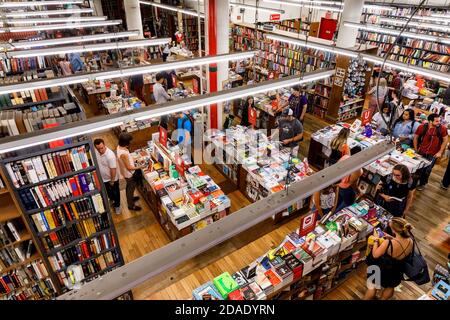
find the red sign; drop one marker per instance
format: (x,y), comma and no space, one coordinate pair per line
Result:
(126,87)
(307,224)
(179,36)
(252,116)
(179,164)
(239,17)
(163,136)
(366,117)
(275,17)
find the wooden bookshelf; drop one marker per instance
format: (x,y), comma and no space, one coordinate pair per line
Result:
(8,211)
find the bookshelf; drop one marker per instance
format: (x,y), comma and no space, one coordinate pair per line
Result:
(64,206)
(417,52)
(191,33)
(23,275)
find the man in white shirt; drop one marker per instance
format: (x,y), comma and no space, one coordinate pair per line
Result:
(161,96)
(107,162)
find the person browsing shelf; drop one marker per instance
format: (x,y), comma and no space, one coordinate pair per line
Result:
(166,52)
(137,83)
(430,141)
(389,253)
(290,130)
(397,192)
(324,201)
(249,103)
(128,170)
(405,127)
(75,62)
(184,130)
(298,103)
(107,162)
(379,123)
(161,96)
(377,93)
(339,146)
(347,186)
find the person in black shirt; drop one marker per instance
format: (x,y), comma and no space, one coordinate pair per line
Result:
(249,103)
(397,192)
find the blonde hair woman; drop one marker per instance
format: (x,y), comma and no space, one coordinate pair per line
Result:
(389,254)
(379,94)
(339,146)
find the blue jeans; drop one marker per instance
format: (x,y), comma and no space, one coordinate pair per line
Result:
(346,198)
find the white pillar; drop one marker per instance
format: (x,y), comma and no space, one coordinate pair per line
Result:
(133,16)
(352,13)
(97,6)
(223,47)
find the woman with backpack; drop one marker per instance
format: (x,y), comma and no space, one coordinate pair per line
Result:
(389,254)
(397,192)
(405,127)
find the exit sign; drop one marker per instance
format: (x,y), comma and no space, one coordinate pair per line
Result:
(275,17)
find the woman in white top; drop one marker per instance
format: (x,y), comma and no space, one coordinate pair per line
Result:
(378,122)
(379,94)
(128,169)
(324,201)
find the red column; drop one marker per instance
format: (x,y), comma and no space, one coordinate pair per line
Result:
(212,40)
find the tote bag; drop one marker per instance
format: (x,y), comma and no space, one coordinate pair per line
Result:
(416,268)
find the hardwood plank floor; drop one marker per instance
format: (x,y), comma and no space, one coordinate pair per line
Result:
(140,233)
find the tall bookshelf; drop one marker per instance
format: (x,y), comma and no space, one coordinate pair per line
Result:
(63,204)
(23,273)
(191,33)
(417,52)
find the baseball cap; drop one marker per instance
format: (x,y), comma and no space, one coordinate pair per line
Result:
(287,112)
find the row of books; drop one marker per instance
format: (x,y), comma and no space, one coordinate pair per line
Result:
(67,212)
(9,65)
(50,194)
(11,256)
(323,91)
(74,233)
(8,233)
(42,289)
(91,268)
(19,277)
(49,166)
(318,112)
(16,122)
(50,220)
(82,251)
(25,96)
(417,54)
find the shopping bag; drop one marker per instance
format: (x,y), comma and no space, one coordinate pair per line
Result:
(416,268)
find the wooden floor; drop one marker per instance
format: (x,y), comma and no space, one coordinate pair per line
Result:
(140,233)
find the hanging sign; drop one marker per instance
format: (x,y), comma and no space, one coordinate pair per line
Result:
(366,117)
(307,224)
(163,136)
(275,17)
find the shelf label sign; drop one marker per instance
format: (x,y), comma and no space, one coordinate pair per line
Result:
(307,224)
(275,17)
(162,136)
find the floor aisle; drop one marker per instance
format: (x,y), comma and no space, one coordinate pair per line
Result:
(140,233)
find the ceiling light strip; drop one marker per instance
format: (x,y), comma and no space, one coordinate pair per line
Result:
(62,26)
(415,24)
(306,5)
(17,4)
(87,48)
(123,72)
(264,9)
(55,20)
(172,8)
(46,13)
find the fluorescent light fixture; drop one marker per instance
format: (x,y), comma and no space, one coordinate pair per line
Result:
(438,15)
(55,20)
(377,7)
(46,13)
(308,4)
(303,43)
(173,8)
(66,40)
(434,19)
(124,72)
(244,92)
(87,48)
(416,24)
(16,4)
(314,2)
(247,6)
(377,29)
(409,68)
(75,134)
(78,25)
